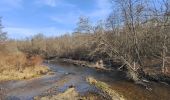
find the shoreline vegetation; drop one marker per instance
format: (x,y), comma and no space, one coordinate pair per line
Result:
(17,66)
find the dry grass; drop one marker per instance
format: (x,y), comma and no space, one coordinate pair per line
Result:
(70,94)
(27,73)
(16,66)
(106,90)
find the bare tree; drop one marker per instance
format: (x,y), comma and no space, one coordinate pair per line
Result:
(83,25)
(131,11)
(3,35)
(166,6)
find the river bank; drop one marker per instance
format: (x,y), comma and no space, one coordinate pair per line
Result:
(130,90)
(150,73)
(67,76)
(99,65)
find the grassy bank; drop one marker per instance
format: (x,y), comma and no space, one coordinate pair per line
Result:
(16,66)
(26,73)
(106,90)
(70,94)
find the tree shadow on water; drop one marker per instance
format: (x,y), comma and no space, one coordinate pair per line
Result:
(12,98)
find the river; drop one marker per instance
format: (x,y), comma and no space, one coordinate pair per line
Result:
(66,75)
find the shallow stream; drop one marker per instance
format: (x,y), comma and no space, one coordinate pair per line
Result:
(66,75)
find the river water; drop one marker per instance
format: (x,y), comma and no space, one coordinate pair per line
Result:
(66,75)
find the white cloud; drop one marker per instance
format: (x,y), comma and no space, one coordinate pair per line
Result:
(103,9)
(54,3)
(16,32)
(66,18)
(51,3)
(19,32)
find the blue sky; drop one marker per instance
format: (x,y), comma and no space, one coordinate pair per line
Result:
(23,18)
